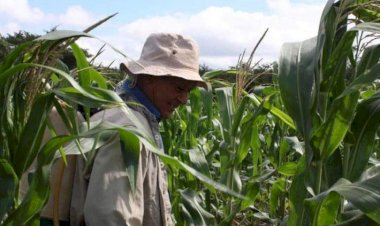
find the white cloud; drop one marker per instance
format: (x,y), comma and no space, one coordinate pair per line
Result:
(9,28)
(21,11)
(76,16)
(223,32)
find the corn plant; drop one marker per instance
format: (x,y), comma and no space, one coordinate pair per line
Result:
(33,80)
(322,82)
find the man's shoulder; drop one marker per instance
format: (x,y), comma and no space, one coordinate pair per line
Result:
(118,116)
(113,115)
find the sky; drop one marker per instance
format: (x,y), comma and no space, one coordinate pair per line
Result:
(223,29)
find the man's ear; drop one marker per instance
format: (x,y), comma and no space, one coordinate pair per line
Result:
(145,81)
(149,79)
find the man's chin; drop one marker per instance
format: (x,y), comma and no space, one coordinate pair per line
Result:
(166,115)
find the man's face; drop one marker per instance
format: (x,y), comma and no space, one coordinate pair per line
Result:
(168,93)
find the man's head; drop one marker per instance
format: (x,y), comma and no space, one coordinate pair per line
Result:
(167,70)
(166,92)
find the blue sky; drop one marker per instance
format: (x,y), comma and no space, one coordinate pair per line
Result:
(223,29)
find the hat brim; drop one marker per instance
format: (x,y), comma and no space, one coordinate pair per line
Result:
(150,68)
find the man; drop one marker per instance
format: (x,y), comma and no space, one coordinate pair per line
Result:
(160,81)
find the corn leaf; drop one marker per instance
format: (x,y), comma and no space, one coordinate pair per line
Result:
(245,143)
(198,161)
(365,195)
(32,133)
(238,116)
(369,58)
(277,190)
(296,79)
(288,169)
(8,185)
(62,34)
(82,65)
(362,80)
(192,209)
(368,27)
(284,117)
(364,129)
(207,105)
(226,107)
(131,148)
(297,196)
(330,134)
(325,212)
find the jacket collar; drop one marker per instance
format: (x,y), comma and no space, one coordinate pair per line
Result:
(138,94)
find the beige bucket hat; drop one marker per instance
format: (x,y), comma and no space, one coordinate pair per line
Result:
(167,54)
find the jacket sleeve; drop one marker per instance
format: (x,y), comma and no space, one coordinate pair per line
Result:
(109,200)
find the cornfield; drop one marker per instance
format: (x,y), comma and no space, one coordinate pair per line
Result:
(303,150)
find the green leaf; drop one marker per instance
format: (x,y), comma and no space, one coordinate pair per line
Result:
(364,129)
(296,71)
(238,116)
(66,34)
(275,111)
(365,195)
(130,147)
(330,134)
(278,188)
(8,185)
(328,210)
(362,80)
(90,97)
(62,34)
(297,196)
(335,69)
(11,71)
(369,58)
(13,57)
(193,211)
(252,190)
(226,107)
(245,143)
(368,27)
(199,162)
(32,134)
(256,152)
(325,38)
(288,169)
(98,78)
(207,105)
(218,73)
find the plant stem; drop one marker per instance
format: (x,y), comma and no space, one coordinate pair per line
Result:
(230,186)
(346,161)
(318,181)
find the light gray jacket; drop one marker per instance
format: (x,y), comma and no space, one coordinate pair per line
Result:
(108,197)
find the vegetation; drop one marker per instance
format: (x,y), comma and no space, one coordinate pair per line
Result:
(302,150)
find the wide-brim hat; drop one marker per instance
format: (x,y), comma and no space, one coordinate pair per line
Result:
(167,54)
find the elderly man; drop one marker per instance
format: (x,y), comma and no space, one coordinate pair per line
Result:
(160,81)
